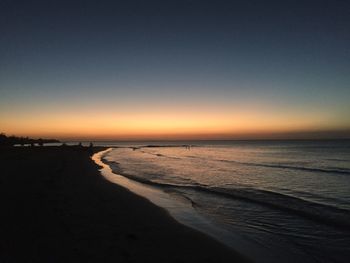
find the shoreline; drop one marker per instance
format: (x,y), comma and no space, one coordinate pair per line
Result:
(181,210)
(57,207)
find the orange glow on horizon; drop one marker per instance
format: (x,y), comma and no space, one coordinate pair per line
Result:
(153,125)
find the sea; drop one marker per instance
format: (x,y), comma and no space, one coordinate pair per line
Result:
(273,201)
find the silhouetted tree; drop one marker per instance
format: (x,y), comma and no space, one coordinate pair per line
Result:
(13,140)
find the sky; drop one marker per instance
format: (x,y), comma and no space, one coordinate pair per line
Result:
(175,69)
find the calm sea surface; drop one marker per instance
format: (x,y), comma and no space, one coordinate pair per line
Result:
(290,199)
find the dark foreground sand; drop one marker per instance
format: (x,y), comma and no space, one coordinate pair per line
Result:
(56,207)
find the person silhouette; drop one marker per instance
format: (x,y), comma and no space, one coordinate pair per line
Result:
(91,148)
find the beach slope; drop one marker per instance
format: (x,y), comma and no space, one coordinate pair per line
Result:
(56,207)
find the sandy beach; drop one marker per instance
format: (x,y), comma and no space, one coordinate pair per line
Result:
(56,207)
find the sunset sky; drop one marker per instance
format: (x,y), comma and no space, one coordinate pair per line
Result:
(175,69)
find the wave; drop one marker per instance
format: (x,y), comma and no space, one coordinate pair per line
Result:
(161,155)
(337,160)
(300,168)
(321,213)
(336,170)
(167,146)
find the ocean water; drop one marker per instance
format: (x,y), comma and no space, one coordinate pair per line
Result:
(289,200)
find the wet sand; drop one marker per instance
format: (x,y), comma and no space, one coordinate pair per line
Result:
(56,207)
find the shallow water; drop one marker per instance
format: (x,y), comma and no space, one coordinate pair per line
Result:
(287,199)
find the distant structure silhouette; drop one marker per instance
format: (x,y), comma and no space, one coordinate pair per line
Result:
(14,140)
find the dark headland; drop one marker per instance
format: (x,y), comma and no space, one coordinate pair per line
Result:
(56,207)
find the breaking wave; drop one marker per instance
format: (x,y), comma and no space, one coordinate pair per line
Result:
(321,213)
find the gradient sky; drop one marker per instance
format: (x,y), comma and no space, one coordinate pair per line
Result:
(175,69)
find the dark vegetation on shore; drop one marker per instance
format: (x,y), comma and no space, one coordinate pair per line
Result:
(56,207)
(15,140)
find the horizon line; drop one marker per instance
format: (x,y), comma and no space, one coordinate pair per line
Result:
(337,134)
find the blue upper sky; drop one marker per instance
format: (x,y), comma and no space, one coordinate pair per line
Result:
(289,57)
